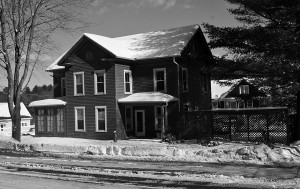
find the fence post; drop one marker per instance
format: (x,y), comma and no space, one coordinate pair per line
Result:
(288,137)
(268,122)
(229,124)
(248,127)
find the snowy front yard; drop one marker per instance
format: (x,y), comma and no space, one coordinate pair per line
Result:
(151,149)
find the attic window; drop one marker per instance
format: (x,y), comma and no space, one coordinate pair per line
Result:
(244,89)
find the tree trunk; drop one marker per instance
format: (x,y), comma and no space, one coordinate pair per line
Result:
(297,126)
(16,123)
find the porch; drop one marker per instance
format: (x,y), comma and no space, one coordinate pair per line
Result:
(49,117)
(148,114)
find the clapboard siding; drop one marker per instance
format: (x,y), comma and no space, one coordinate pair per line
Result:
(57,75)
(143,81)
(90,100)
(119,86)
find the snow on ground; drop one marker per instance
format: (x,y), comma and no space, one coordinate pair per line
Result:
(237,152)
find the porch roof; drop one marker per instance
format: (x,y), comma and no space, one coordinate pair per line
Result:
(47,102)
(148,97)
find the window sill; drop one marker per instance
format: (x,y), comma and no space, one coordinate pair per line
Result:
(128,93)
(79,95)
(99,94)
(101,131)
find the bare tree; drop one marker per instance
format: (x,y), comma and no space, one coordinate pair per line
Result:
(27,27)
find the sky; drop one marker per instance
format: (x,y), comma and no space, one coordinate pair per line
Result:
(114,18)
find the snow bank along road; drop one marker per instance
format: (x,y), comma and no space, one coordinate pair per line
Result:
(156,174)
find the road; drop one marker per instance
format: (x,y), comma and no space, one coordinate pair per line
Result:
(37,172)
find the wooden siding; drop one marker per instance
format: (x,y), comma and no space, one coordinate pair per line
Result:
(142,73)
(57,75)
(198,66)
(119,86)
(90,100)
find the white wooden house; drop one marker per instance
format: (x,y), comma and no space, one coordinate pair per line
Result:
(6,123)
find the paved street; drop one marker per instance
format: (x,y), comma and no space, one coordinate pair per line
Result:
(134,174)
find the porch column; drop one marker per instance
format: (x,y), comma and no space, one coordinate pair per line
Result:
(162,121)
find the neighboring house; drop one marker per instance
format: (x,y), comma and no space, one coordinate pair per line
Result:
(241,94)
(5,119)
(134,85)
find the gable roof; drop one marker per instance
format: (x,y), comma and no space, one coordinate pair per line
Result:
(226,91)
(156,44)
(4,111)
(217,89)
(233,86)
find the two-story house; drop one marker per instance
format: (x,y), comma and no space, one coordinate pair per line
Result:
(133,85)
(240,94)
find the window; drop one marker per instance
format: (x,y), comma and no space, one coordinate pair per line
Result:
(40,121)
(128,118)
(101,125)
(233,104)
(184,79)
(186,107)
(227,104)
(79,83)
(127,82)
(50,120)
(241,104)
(160,114)
(244,89)
(60,120)
(100,82)
(63,87)
(205,83)
(79,119)
(214,104)
(159,76)
(249,103)
(24,124)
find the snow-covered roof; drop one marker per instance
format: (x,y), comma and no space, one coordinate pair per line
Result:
(217,89)
(4,111)
(148,97)
(156,44)
(47,102)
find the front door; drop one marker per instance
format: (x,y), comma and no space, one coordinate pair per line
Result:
(140,122)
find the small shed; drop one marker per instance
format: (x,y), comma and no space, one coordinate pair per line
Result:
(5,119)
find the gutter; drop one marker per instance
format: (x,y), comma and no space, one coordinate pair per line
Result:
(178,82)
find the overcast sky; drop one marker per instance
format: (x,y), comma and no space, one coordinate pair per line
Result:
(125,17)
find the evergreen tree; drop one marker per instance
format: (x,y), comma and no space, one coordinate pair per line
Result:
(265,47)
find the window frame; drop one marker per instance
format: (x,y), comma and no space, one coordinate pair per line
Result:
(75,84)
(76,123)
(63,86)
(131,118)
(155,79)
(130,81)
(244,89)
(60,127)
(40,119)
(165,117)
(50,118)
(96,82)
(96,119)
(187,80)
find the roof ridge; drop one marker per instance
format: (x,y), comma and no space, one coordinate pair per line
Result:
(197,26)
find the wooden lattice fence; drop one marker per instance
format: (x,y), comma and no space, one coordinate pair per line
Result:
(269,125)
